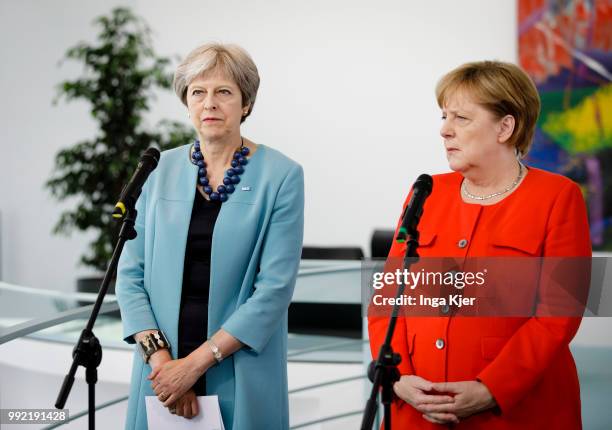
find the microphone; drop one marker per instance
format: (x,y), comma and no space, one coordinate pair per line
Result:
(129,195)
(412,214)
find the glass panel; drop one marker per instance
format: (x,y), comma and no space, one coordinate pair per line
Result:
(24,308)
(60,317)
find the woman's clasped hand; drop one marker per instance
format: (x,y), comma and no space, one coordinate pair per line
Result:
(444,402)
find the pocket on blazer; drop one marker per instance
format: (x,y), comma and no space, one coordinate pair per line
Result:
(523,244)
(513,274)
(426,240)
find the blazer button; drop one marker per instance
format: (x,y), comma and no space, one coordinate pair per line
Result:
(462,243)
(440,343)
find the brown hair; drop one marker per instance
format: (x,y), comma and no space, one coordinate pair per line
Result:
(503,89)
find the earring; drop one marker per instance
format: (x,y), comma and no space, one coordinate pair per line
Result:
(188,114)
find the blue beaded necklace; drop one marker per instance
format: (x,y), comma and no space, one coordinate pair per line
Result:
(232,175)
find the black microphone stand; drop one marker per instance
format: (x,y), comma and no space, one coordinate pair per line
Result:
(383,372)
(88,352)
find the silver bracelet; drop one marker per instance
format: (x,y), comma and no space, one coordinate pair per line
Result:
(215,351)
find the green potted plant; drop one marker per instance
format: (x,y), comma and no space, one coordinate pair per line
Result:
(121,73)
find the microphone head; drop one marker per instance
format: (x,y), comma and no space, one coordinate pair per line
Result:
(424,183)
(152,154)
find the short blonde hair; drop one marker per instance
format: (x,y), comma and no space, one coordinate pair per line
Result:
(231,60)
(503,89)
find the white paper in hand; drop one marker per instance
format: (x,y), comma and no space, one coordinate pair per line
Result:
(208,418)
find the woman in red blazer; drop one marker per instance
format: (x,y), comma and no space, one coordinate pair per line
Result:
(490,372)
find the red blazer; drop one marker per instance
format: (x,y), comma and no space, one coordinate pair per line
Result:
(525,362)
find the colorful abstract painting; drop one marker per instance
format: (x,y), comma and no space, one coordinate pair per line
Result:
(566,47)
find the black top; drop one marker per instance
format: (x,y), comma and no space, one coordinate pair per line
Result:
(193,317)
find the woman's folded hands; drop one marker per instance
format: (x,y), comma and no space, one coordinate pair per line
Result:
(451,401)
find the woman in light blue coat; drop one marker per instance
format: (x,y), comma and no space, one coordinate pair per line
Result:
(205,287)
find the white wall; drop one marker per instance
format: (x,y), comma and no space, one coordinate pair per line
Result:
(34,35)
(347,90)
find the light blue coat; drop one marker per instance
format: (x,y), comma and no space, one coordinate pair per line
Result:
(256,250)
